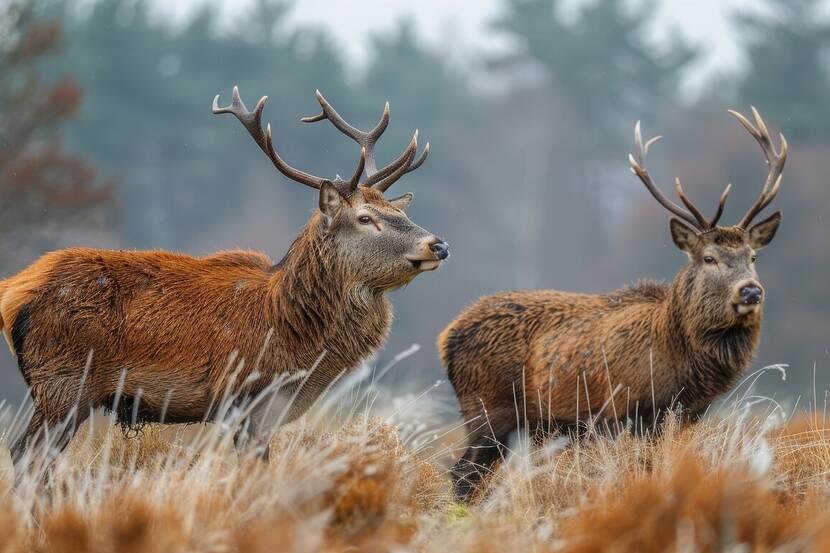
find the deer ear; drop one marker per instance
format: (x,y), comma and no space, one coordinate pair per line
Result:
(762,234)
(329,202)
(683,235)
(402,202)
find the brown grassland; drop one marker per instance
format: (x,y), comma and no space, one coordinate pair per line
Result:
(351,477)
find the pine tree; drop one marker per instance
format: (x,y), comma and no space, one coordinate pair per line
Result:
(787,75)
(600,62)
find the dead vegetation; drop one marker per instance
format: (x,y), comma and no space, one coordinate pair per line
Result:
(742,480)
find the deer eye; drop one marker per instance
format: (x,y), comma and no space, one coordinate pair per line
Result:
(709,260)
(364,220)
(754,258)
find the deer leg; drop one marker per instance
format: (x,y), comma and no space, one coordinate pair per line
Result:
(486,448)
(59,424)
(251,432)
(248,436)
(27,440)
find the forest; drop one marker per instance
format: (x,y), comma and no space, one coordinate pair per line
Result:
(106,139)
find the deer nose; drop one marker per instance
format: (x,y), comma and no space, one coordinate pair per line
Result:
(440,248)
(751,294)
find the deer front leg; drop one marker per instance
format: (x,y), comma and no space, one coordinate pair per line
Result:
(486,447)
(254,430)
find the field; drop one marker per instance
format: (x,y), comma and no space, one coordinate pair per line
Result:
(364,473)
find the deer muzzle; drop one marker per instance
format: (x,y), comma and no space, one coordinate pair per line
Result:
(749,297)
(441,250)
(437,251)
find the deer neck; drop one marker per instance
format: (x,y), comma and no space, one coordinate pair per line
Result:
(708,350)
(320,306)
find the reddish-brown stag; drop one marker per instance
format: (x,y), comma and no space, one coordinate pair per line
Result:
(554,359)
(170,334)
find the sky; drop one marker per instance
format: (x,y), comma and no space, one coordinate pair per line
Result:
(460,27)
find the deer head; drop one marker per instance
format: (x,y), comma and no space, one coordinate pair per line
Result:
(722,259)
(379,244)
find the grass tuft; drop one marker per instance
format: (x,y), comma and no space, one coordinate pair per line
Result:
(364,475)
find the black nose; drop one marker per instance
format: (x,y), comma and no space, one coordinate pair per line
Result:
(441,249)
(751,295)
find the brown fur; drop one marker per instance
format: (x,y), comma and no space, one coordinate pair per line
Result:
(180,326)
(554,358)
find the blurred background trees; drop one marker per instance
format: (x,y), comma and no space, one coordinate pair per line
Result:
(44,190)
(600,62)
(787,53)
(527,180)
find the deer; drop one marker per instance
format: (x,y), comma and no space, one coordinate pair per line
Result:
(547,359)
(166,334)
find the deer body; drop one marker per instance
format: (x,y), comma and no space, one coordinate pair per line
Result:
(559,355)
(172,335)
(179,326)
(548,358)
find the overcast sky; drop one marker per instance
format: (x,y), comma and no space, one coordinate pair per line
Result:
(461,26)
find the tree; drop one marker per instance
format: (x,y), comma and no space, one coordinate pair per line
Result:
(601,62)
(152,122)
(43,189)
(787,75)
(598,75)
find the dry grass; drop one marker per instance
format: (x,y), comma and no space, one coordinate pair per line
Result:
(352,478)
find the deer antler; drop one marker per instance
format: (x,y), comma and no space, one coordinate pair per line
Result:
(380,179)
(693,216)
(775,161)
(252,121)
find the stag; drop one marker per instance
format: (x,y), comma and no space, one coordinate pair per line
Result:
(168,333)
(554,358)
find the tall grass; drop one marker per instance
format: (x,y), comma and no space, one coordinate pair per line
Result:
(367,471)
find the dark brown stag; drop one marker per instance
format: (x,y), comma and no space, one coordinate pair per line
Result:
(172,334)
(554,358)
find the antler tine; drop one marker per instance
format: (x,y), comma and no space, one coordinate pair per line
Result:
(696,213)
(638,168)
(421,158)
(358,172)
(404,163)
(775,161)
(725,194)
(401,160)
(402,168)
(252,121)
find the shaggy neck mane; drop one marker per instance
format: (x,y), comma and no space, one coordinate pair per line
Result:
(318,303)
(711,349)
(308,289)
